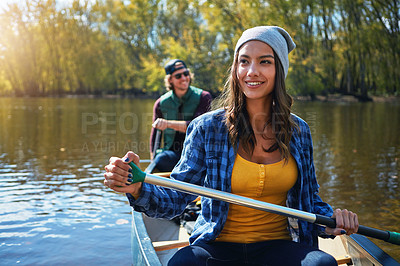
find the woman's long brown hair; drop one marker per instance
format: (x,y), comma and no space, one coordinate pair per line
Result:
(237,119)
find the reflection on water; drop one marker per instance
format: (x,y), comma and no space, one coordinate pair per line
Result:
(55,209)
(357,160)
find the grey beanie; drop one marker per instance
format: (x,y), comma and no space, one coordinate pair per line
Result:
(276,37)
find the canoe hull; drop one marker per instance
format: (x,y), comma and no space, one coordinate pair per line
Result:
(361,250)
(364,252)
(143,252)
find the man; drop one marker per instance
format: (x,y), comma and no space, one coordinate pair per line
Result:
(173,112)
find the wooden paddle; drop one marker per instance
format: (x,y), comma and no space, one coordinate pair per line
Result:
(140,176)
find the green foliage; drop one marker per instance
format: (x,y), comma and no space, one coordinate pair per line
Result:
(118,46)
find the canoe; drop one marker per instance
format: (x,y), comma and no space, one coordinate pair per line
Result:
(154,241)
(348,250)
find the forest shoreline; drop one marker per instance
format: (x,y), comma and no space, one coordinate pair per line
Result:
(346,98)
(302,98)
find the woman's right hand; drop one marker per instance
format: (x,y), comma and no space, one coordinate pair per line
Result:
(118,174)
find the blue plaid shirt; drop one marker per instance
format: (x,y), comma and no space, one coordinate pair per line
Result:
(207,160)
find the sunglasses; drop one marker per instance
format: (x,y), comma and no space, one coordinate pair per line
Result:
(178,76)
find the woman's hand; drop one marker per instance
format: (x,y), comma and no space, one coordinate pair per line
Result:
(118,174)
(346,223)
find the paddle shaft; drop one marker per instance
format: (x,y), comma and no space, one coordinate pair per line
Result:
(153,164)
(228,197)
(189,188)
(362,230)
(156,143)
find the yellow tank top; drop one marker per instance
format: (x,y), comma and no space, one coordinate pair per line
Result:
(264,182)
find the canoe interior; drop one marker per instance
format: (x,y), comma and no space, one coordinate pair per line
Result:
(359,248)
(365,252)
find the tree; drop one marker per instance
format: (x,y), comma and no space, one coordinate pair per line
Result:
(121,47)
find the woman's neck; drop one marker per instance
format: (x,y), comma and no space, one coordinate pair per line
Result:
(259,113)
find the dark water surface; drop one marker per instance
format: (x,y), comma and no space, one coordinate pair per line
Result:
(54,208)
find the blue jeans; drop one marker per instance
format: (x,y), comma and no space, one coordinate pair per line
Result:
(166,160)
(274,252)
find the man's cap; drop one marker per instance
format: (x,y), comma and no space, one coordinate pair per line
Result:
(174,65)
(276,37)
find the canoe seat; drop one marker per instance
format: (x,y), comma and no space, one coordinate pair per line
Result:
(330,246)
(167,245)
(337,248)
(345,260)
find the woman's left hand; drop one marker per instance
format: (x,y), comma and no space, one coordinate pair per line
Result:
(346,223)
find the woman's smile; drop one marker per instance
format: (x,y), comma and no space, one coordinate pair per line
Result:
(254,83)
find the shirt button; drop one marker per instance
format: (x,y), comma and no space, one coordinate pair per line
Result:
(262,174)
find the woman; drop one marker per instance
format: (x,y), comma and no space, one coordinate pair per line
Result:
(254,147)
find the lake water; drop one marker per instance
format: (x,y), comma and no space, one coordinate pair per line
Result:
(54,208)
